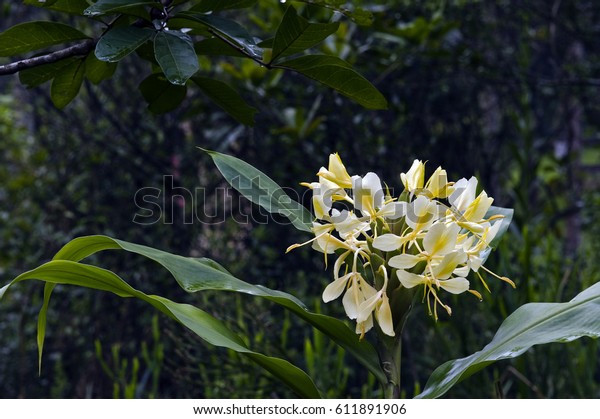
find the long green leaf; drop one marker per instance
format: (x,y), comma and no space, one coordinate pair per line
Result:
(121,41)
(296,34)
(339,75)
(531,324)
(204,274)
(261,189)
(198,321)
(228,29)
(174,52)
(32,36)
(227,98)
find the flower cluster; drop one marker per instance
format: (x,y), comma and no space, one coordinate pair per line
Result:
(432,235)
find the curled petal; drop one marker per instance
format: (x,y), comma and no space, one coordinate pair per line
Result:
(384,316)
(404,261)
(335,289)
(410,280)
(441,238)
(388,242)
(455,285)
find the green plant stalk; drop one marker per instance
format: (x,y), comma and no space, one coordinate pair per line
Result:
(390,355)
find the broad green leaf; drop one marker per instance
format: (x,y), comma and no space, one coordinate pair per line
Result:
(35,76)
(261,189)
(227,98)
(218,5)
(32,36)
(75,7)
(531,324)
(339,75)
(201,323)
(121,41)
(161,95)
(67,83)
(97,71)
(296,34)
(195,275)
(174,52)
(228,29)
(507,215)
(102,7)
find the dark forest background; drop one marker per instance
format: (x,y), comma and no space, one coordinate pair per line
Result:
(504,90)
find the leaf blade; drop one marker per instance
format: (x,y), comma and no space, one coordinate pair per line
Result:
(174,52)
(295,34)
(121,41)
(227,98)
(261,189)
(198,321)
(531,324)
(32,36)
(339,75)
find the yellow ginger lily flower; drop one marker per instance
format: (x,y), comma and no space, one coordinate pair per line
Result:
(336,172)
(415,177)
(434,244)
(438,185)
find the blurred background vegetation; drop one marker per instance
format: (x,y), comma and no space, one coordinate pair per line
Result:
(506,90)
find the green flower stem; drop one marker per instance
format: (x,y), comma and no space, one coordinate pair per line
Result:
(390,354)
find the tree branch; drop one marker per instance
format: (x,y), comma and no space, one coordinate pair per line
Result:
(78,49)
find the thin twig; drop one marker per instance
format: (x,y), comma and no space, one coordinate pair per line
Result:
(79,49)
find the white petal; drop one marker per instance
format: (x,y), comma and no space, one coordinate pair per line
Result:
(351,301)
(455,285)
(384,316)
(388,242)
(404,261)
(408,279)
(441,238)
(366,307)
(335,289)
(444,269)
(393,210)
(464,193)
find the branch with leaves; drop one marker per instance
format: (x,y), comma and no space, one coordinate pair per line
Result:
(171,36)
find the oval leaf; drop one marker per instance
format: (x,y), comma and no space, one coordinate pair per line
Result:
(174,52)
(531,324)
(225,28)
(121,41)
(113,6)
(32,36)
(227,98)
(201,323)
(339,75)
(261,189)
(161,95)
(75,7)
(67,83)
(296,34)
